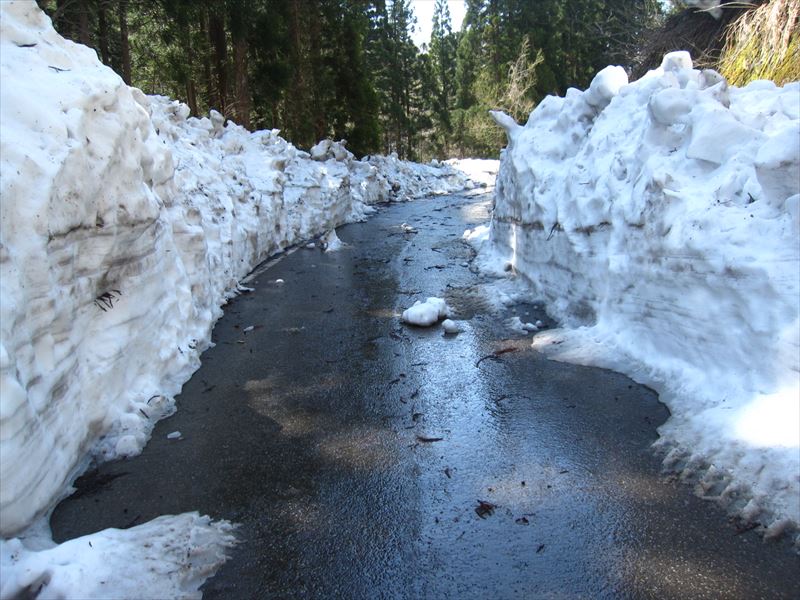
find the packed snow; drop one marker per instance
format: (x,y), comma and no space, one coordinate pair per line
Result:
(169,557)
(482,171)
(659,221)
(126,224)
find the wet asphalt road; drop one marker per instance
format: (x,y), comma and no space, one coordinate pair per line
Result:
(314,432)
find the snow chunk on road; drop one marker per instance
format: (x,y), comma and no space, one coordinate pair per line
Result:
(450,326)
(331,242)
(521,326)
(425,314)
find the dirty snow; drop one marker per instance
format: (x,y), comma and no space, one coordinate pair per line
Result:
(169,557)
(330,242)
(660,223)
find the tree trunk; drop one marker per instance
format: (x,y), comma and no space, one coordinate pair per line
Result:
(298,97)
(216,30)
(102,33)
(83,23)
(124,41)
(240,82)
(210,94)
(191,97)
(62,21)
(318,80)
(191,90)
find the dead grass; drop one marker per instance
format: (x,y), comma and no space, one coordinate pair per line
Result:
(754,39)
(763,43)
(696,31)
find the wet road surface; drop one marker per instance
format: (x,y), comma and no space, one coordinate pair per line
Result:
(367,459)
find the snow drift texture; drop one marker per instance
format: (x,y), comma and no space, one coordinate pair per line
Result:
(168,557)
(660,220)
(125,225)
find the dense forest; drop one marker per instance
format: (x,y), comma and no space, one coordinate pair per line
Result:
(349,69)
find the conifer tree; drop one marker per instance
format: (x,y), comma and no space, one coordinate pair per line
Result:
(349,69)
(443,63)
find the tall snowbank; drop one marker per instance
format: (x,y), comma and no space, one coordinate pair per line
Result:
(660,221)
(125,226)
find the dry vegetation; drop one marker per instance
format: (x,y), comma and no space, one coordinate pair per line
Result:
(763,44)
(752,40)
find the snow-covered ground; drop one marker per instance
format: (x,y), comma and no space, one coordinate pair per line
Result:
(660,222)
(480,170)
(125,225)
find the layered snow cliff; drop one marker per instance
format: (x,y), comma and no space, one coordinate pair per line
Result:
(660,221)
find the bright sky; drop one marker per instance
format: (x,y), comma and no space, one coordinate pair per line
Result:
(423,9)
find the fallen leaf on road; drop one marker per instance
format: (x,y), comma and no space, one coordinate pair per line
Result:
(485,509)
(496,354)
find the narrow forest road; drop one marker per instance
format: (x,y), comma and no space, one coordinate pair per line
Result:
(354,450)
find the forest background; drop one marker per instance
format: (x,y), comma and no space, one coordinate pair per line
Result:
(348,69)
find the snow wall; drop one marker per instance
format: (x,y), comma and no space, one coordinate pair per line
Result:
(660,221)
(125,225)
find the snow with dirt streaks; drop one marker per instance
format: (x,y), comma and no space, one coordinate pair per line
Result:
(659,220)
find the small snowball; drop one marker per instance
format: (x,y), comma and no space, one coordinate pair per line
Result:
(450,326)
(174,435)
(279,281)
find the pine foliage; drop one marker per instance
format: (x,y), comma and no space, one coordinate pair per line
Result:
(349,68)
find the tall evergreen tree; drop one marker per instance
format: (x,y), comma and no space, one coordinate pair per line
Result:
(348,68)
(443,63)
